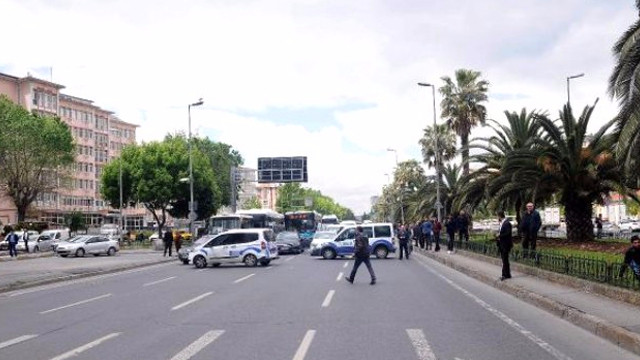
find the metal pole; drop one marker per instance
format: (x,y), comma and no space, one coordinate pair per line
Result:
(568,92)
(120,180)
(435,131)
(191,214)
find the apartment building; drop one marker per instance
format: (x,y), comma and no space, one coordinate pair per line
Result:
(99,136)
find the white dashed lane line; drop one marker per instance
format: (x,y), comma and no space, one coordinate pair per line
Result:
(75,352)
(196,346)
(158,281)
(327,299)
(243,278)
(339,276)
(76,304)
(16,340)
(420,344)
(304,345)
(345,265)
(189,302)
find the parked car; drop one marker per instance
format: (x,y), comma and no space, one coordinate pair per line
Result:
(48,239)
(183,254)
(88,244)
(248,246)
(33,235)
(629,225)
(288,242)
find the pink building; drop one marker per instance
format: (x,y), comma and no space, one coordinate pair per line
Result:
(99,136)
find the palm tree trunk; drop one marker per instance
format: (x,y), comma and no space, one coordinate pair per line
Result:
(518,213)
(464,139)
(578,215)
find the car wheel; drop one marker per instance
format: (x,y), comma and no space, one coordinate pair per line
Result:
(185,261)
(250,260)
(111,251)
(381,252)
(328,253)
(200,262)
(265,262)
(36,249)
(80,253)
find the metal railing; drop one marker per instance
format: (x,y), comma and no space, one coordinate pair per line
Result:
(578,266)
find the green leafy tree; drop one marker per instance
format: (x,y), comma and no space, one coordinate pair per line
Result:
(221,157)
(153,175)
(34,151)
(462,106)
(75,221)
(252,203)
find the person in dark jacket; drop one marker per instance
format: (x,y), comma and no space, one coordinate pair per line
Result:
(167,239)
(505,243)
(437,229)
(12,240)
(451,226)
(178,241)
(530,225)
(403,241)
(632,258)
(416,234)
(361,253)
(463,226)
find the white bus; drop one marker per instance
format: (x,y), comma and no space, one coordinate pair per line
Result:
(265,218)
(220,223)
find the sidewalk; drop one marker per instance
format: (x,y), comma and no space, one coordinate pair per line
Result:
(614,320)
(39,269)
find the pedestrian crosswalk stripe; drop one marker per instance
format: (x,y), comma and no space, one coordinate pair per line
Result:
(17,340)
(196,346)
(420,344)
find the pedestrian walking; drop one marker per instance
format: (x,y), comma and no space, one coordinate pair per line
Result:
(427,228)
(530,225)
(463,226)
(451,227)
(25,239)
(178,241)
(632,258)
(12,240)
(403,240)
(505,243)
(361,254)
(437,229)
(167,239)
(599,226)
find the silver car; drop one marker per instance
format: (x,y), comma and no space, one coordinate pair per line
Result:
(87,244)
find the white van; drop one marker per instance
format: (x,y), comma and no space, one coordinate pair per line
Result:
(49,238)
(248,246)
(380,241)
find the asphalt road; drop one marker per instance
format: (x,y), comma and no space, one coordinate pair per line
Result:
(297,308)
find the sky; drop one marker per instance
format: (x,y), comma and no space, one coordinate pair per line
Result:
(331,80)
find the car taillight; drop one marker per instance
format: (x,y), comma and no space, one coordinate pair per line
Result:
(263,245)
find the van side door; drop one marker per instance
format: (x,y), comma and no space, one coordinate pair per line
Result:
(346,242)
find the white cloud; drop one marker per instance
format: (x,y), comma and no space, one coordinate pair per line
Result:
(147,60)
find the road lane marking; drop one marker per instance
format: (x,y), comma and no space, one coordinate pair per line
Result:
(188,302)
(76,303)
(198,345)
(339,277)
(345,265)
(159,281)
(80,281)
(420,344)
(327,300)
(304,345)
(16,340)
(528,334)
(77,351)
(243,278)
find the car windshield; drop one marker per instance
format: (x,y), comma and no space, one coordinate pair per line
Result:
(78,239)
(284,236)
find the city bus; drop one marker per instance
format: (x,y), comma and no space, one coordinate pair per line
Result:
(304,222)
(264,218)
(219,223)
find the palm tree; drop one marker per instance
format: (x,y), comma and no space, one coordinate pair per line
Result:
(462,106)
(581,169)
(624,85)
(446,141)
(451,187)
(491,184)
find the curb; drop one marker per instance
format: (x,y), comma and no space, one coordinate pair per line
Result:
(18,285)
(616,334)
(27,257)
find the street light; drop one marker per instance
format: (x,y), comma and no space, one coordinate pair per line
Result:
(568,92)
(401,190)
(438,204)
(191,207)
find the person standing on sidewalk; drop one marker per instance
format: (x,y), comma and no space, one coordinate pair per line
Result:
(403,241)
(427,228)
(599,226)
(505,243)
(632,258)
(437,229)
(167,239)
(25,239)
(463,226)
(361,254)
(12,240)
(450,225)
(530,225)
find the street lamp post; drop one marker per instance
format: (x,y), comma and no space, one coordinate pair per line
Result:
(401,190)
(568,91)
(191,207)
(438,204)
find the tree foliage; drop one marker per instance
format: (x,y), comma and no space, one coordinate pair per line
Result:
(292,196)
(34,153)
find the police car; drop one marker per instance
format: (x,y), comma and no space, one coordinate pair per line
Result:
(248,246)
(380,241)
